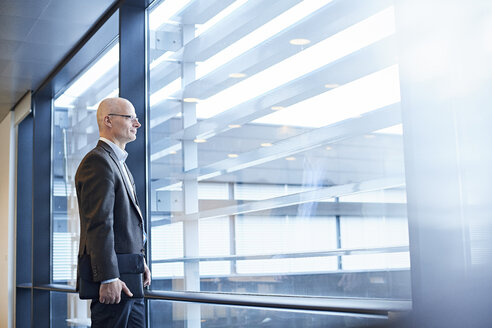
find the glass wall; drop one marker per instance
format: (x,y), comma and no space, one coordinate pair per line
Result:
(174,314)
(75,133)
(276,156)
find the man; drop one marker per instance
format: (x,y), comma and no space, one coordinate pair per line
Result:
(110,220)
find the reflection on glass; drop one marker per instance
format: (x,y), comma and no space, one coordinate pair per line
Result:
(297,187)
(362,34)
(177,314)
(75,132)
(67,310)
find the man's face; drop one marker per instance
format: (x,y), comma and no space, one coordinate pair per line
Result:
(124,129)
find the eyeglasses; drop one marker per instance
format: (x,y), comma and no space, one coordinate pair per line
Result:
(132,118)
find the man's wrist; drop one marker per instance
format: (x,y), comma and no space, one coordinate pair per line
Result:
(108,281)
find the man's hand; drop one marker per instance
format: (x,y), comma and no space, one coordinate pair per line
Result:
(110,293)
(146,276)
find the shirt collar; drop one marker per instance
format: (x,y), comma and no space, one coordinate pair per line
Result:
(120,153)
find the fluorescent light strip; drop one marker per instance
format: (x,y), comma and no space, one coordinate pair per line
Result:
(165,92)
(168,151)
(98,70)
(353,99)
(164,57)
(211,22)
(335,47)
(395,129)
(221,15)
(266,31)
(165,11)
(64,101)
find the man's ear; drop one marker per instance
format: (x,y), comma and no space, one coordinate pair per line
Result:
(107,121)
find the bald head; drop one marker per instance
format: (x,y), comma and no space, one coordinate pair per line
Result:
(117,121)
(110,105)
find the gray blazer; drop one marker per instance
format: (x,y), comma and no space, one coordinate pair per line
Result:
(110,222)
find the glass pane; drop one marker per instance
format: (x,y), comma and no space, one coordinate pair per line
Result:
(178,314)
(276,153)
(67,310)
(75,132)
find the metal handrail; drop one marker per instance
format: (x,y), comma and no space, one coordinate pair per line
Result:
(374,308)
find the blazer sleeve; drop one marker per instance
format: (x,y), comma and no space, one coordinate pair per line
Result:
(96,197)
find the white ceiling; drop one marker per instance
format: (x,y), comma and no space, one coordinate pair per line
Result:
(35,36)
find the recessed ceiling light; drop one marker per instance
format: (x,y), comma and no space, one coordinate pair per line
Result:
(191,100)
(299,42)
(290,158)
(331,85)
(277,107)
(234,126)
(266,144)
(328,148)
(232,155)
(172,152)
(369,136)
(237,75)
(200,140)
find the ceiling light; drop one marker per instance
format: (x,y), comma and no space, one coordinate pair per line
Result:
(234,126)
(328,148)
(299,42)
(237,75)
(369,136)
(331,85)
(232,155)
(264,32)
(266,144)
(372,91)
(200,140)
(277,107)
(172,150)
(322,53)
(290,158)
(191,100)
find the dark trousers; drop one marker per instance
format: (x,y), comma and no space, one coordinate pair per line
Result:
(129,313)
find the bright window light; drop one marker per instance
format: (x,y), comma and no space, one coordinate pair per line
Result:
(64,101)
(165,11)
(162,58)
(335,47)
(395,129)
(165,92)
(112,94)
(217,18)
(368,93)
(211,22)
(98,70)
(165,152)
(276,25)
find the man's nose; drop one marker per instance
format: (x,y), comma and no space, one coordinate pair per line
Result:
(137,124)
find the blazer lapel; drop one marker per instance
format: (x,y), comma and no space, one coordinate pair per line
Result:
(133,198)
(133,184)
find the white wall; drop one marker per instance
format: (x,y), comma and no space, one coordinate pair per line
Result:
(7,201)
